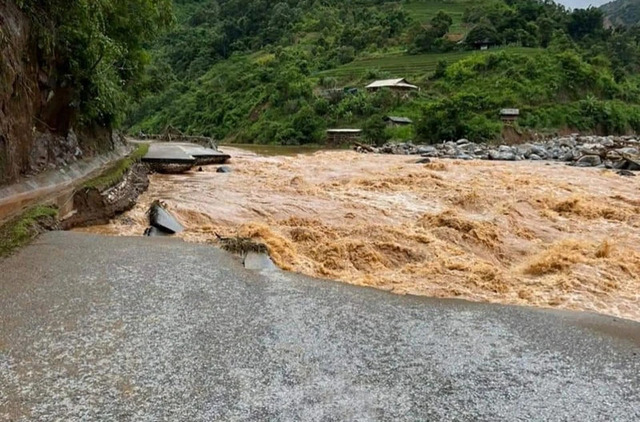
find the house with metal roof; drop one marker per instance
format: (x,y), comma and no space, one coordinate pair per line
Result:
(394,121)
(394,84)
(509,114)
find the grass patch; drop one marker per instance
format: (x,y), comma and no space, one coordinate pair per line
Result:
(114,174)
(22,230)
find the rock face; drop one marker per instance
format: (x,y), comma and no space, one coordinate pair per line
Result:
(616,152)
(93,207)
(36,106)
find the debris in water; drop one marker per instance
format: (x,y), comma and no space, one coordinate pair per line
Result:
(241,245)
(161,219)
(155,232)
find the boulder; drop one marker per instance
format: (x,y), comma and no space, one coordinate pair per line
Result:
(427,151)
(501,156)
(627,151)
(424,161)
(538,151)
(589,161)
(224,169)
(463,156)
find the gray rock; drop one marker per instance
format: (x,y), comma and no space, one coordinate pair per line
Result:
(462,141)
(424,161)
(427,150)
(628,150)
(608,142)
(463,156)
(535,157)
(589,161)
(501,156)
(224,169)
(626,173)
(539,151)
(524,150)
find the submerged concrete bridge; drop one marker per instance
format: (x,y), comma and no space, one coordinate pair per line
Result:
(183,153)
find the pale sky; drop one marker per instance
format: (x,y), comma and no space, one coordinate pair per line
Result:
(582,4)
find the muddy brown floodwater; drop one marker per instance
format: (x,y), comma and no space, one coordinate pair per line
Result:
(526,233)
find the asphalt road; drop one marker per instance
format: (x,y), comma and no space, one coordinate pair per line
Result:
(135,329)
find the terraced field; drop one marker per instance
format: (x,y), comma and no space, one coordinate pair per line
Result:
(424,11)
(401,64)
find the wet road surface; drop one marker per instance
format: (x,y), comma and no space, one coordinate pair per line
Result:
(113,329)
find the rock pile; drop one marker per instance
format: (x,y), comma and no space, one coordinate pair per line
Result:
(617,152)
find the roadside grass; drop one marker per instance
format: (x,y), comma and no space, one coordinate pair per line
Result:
(23,229)
(403,65)
(114,174)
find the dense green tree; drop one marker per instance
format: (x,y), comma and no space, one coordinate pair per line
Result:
(98,49)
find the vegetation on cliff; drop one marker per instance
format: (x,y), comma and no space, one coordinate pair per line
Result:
(97,49)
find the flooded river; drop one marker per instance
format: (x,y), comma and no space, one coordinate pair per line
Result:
(527,233)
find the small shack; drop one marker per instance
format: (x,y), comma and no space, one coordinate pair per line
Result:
(484,44)
(395,121)
(398,85)
(342,136)
(509,114)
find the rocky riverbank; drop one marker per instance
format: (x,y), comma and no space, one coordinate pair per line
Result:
(615,152)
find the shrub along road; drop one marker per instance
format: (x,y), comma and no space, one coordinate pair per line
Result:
(105,328)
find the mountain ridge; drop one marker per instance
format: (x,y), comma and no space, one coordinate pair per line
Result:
(622,12)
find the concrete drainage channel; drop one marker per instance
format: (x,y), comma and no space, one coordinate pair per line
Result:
(55,187)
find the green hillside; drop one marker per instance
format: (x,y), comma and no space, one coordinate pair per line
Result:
(622,12)
(424,11)
(252,71)
(402,64)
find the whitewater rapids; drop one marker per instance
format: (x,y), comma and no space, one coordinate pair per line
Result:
(525,233)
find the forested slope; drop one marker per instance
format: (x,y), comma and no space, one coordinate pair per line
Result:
(255,71)
(622,12)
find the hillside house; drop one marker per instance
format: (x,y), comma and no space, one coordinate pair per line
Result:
(394,121)
(398,85)
(509,114)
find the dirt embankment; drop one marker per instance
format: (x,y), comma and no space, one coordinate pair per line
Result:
(36,112)
(96,205)
(525,233)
